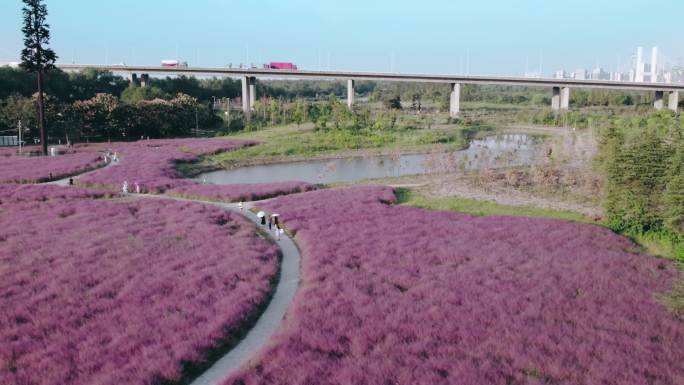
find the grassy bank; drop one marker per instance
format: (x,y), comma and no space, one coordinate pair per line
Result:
(305,141)
(478,207)
(409,132)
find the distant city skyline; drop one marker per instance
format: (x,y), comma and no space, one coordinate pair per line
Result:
(483,37)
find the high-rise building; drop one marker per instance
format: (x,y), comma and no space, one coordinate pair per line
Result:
(580,74)
(640,71)
(646,72)
(654,65)
(618,76)
(639,66)
(599,74)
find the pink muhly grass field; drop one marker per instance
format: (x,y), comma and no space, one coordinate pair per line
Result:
(400,295)
(152,163)
(42,192)
(14,150)
(239,192)
(123,291)
(36,169)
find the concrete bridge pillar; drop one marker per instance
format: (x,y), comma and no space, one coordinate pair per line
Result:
(565,98)
(560,98)
(555,98)
(673,101)
(455,100)
(252,92)
(350,93)
(144,79)
(245,96)
(658,103)
(132,79)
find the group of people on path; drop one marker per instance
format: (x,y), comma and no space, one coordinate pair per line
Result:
(114,158)
(109,156)
(273,225)
(125,186)
(106,157)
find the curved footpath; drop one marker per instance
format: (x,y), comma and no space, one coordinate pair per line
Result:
(275,312)
(65,181)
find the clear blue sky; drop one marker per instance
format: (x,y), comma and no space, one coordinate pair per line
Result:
(499,36)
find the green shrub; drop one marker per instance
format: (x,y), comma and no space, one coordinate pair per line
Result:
(643,161)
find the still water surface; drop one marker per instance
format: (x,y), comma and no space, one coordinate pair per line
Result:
(493,152)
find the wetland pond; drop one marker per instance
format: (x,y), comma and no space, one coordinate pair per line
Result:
(496,151)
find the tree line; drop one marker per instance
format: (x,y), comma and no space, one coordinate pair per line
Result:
(89,82)
(105,117)
(331,114)
(278,101)
(643,162)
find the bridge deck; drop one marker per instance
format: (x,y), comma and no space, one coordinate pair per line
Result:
(380,76)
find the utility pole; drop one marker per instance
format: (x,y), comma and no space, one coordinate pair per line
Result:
(196,122)
(19,136)
(468,61)
(392,60)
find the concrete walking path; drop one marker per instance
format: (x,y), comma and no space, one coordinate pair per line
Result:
(271,318)
(65,181)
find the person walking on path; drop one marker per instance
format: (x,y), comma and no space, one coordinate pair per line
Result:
(125,187)
(270,222)
(277,231)
(71,181)
(240,206)
(137,188)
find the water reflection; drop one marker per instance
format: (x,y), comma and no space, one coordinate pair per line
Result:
(491,152)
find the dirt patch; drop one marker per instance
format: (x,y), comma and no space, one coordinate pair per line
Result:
(562,177)
(519,190)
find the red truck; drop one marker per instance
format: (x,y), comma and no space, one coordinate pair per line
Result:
(280,66)
(174,64)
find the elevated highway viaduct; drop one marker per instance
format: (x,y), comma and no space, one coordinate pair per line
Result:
(560,88)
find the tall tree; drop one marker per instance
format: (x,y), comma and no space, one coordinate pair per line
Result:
(36,57)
